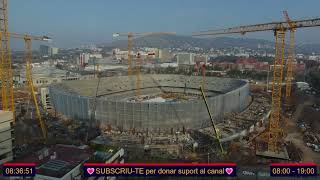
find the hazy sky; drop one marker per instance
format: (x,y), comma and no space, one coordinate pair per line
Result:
(75,22)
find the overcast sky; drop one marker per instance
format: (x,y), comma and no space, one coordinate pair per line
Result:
(75,22)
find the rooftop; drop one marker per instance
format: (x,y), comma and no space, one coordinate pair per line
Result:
(45,71)
(58,160)
(104,149)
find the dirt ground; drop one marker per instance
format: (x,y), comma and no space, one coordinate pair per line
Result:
(311,118)
(295,135)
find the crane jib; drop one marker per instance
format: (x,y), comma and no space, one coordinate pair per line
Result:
(262,27)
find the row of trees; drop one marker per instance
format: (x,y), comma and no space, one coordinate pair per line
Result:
(257,75)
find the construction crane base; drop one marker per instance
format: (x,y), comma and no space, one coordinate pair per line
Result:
(281,154)
(261,143)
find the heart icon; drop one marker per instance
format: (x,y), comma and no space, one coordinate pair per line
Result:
(90,170)
(229,170)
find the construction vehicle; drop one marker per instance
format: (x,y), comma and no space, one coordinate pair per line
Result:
(273,136)
(130,36)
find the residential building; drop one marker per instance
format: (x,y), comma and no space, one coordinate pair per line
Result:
(185,59)
(224,65)
(251,64)
(45,50)
(48,51)
(6,136)
(43,75)
(60,162)
(54,51)
(83,59)
(300,56)
(165,55)
(112,154)
(314,57)
(242,55)
(152,52)
(202,59)
(120,55)
(96,55)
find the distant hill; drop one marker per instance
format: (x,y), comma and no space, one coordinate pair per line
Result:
(185,42)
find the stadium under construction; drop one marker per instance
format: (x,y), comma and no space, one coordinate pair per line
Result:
(166,102)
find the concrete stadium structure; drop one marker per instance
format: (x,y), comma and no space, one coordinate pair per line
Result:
(116,106)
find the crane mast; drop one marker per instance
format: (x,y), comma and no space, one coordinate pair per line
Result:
(130,38)
(203,70)
(275,131)
(138,68)
(6,63)
(291,56)
(290,59)
(28,59)
(7,94)
(216,130)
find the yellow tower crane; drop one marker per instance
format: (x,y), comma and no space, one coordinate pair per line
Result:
(7,94)
(6,69)
(274,134)
(96,69)
(138,74)
(130,36)
(28,58)
(203,70)
(291,56)
(216,130)
(290,59)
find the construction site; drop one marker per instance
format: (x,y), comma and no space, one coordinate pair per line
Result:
(161,117)
(167,102)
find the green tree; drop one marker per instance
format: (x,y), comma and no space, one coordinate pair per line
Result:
(217,68)
(300,77)
(234,73)
(314,78)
